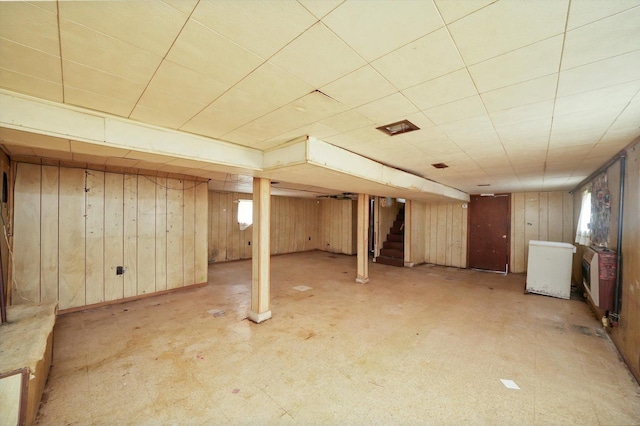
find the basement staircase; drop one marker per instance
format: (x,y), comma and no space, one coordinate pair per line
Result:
(392,252)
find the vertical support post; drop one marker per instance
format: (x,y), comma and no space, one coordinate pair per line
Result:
(407,234)
(363,239)
(261,261)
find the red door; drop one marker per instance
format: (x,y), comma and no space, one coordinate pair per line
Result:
(489,223)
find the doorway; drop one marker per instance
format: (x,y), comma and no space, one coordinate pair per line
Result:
(489,232)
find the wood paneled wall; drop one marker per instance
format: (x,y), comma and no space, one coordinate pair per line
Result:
(543,216)
(438,233)
(74,226)
(294,226)
(5,208)
(338,226)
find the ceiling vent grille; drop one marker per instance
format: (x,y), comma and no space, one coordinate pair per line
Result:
(398,128)
(440,165)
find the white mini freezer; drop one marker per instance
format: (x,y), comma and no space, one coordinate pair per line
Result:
(549,268)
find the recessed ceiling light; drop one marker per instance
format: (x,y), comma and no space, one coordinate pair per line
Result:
(398,127)
(440,165)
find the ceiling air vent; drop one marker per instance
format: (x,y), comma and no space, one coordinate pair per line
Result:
(440,165)
(398,127)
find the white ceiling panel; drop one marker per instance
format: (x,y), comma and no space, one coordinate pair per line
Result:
(96,50)
(476,133)
(184,6)
(346,121)
(274,85)
(452,11)
(164,109)
(586,11)
(413,63)
(207,52)
(387,108)
(261,27)
(149,25)
(505,26)
(388,25)
(532,112)
(605,73)
(527,63)
(29,85)
(25,60)
(318,57)
(536,90)
(457,110)
(98,102)
(28,25)
(442,90)
(614,96)
(603,39)
(532,133)
(180,81)
(359,87)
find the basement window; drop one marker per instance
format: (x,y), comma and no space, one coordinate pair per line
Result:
(245,214)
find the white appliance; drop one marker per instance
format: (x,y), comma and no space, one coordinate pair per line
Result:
(549,268)
(590,274)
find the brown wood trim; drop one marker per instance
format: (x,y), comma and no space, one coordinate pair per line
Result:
(130,299)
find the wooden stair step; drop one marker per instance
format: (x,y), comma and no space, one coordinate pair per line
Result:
(396,238)
(398,245)
(389,252)
(390,261)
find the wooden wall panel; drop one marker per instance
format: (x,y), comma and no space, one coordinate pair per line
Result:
(130,235)
(49,227)
(188,233)
(336,226)
(201,235)
(92,222)
(161,233)
(543,216)
(26,225)
(441,230)
(72,290)
(175,240)
(146,233)
(294,226)
(94,266)
(113,235)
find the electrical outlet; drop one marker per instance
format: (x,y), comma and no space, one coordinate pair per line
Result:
(120,270)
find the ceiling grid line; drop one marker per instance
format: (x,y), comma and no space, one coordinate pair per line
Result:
(60,49)
(162,60)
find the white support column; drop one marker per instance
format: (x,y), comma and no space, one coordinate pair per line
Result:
(261,254)
(363,239)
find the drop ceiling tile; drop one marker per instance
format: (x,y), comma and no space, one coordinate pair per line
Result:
(260,27)
(420,120)
(180,81)
(207,52)
(603,39)
(29,85)
(608,72)
(315,130)
(431,141)
(629,117)
(586,11)
(150,26)
(320,8)
(184,6)
(476,132)
(359,87)
(454,10)
(387,108)
(614,96)
(274,85)
(96,50)
(531,112)
(98,102)
(91,80)
(25,60)
(28,25)
(527,63)
(536,90)
(346,121)
(388,25)
(532,133)
(429,57)
(164,109)
(442,90)
(507,26)
(228,112)
(318,57)
(457,110)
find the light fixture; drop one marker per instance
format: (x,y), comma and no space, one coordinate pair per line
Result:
(398,127)
(440,165)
